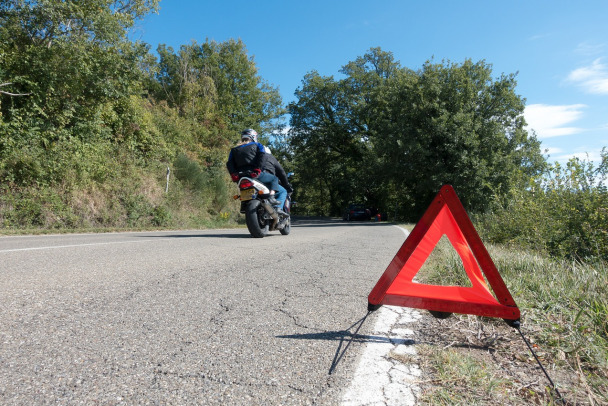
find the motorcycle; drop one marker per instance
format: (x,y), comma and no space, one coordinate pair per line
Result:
(261,217)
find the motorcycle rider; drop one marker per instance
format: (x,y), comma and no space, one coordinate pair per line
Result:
(250,156)
(274,167)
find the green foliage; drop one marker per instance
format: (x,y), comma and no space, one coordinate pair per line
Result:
(209,183)
(190,173)
(69,58)
(458,127)
(564,212)
(391,137)
(217,83)
(161,216)
(77,74)
(89,120)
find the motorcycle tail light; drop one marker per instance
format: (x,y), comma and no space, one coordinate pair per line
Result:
(245,184)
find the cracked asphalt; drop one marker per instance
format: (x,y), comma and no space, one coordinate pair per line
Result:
(190,317)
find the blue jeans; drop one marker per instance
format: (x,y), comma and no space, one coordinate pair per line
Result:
(272,182)
(281,196)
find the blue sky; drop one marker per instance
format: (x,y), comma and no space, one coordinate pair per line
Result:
(559,49)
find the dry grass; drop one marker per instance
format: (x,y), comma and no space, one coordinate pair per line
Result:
(564,315)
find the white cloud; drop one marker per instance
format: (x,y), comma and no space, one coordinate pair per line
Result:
(592,78)
(552,151)
(594,156)
(590,49)
(590,156)
(539,36)
(550,121)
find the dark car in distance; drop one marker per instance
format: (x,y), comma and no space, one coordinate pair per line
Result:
(356,212)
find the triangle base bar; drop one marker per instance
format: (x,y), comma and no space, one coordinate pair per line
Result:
(478,309)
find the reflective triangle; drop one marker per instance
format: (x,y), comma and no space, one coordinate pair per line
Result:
(445,216)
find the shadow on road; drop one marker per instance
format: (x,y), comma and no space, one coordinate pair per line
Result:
(297,221)
(234,235)
(348,337)
(343,334)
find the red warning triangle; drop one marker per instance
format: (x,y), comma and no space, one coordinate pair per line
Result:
(445,216)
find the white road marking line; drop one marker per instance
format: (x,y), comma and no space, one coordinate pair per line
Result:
(50,247)
(380,379)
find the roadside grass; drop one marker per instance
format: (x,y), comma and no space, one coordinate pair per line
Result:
(194,225)
(460,379)
(564,307)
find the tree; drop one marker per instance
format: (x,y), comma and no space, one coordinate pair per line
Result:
(325,145)
(185,84)
(454,124)
(330,133)
(71,56)
(223,81)
(74,61)
(391,136)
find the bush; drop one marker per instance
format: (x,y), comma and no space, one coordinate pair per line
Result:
(564,213)
(190,172)
(161,216)
(209,183)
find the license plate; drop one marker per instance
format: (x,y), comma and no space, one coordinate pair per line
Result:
(247,194)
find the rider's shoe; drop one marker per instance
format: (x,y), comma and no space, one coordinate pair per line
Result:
(273,201)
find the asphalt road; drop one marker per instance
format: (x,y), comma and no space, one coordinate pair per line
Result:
(188,317)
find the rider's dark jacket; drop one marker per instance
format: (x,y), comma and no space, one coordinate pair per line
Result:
(246,157)
(274,167)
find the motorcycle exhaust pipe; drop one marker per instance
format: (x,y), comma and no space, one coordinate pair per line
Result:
(272,212)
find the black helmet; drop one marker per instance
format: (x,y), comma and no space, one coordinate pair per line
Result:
(249,133)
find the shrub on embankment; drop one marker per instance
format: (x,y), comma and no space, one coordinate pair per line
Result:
(132,196)
(563,213)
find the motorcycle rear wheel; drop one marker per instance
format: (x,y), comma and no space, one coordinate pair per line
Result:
(256,225)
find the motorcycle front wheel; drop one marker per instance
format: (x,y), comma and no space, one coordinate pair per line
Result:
(287,229)
(254,217)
